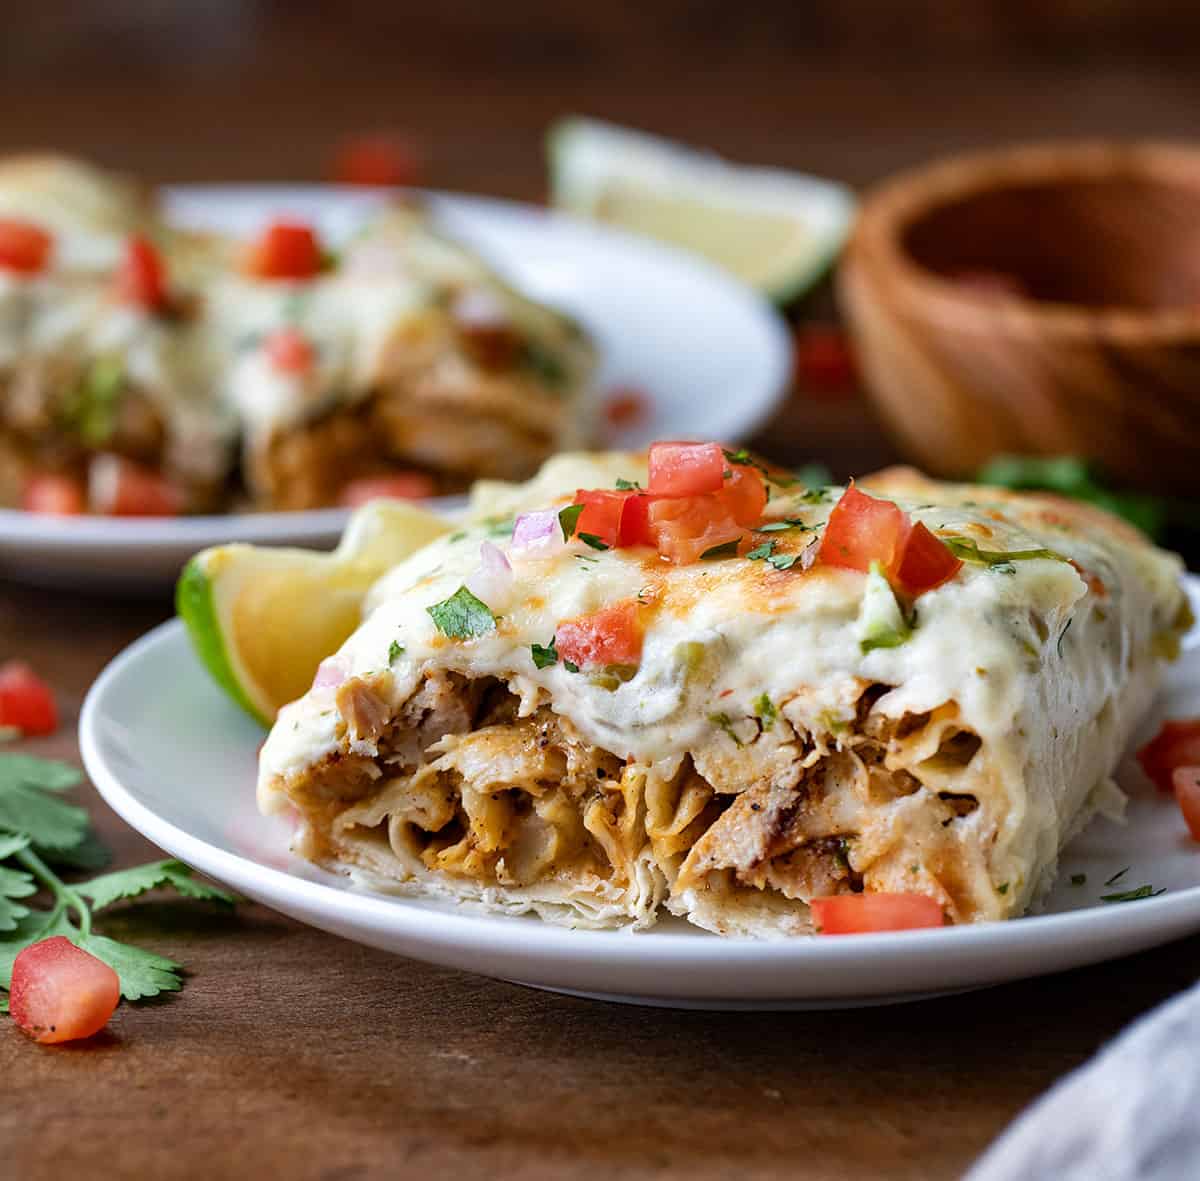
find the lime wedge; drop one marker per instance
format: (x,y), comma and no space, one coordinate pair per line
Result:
(262,619)
(776,230)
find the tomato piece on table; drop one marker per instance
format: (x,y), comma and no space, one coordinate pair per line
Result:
(862,530)
(1177,744)
(925,562)
(54,495)
(141,278)
(382,159)
(26,701)
(118,487)
(686,469)
(285,250)
(610,636)
(1186,782)
(290,351)
(24,247)
(397,486)
(824,360)
(855,914)
(60,992)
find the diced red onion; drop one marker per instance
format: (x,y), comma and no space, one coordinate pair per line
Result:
(537,535)
(330,672)
(492,580)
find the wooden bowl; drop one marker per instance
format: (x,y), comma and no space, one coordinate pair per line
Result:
(1041,300)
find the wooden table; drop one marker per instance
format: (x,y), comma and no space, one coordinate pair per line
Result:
(291,1054)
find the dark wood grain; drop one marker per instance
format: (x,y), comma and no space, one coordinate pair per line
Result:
(292,1054)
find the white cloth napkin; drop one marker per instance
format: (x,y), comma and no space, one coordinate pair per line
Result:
(1130,1114)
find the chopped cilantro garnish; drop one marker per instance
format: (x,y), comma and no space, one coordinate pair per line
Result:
(1133,895)
(968,550)
(726,549)
(816,496)
(395,651)
(760,552)
(1002,888)
(568,518)
(787,523)
(570,666)
(726,723)
(783,561)
(92,408)
(592,540)
(462,616)
(544,655)
(624,485)
(743,458)
(765,711)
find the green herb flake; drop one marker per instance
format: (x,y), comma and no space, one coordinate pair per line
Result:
(783,561)
(91,410)
(743,458)
(968,550)
(570,666)
(727,549)
(726,723)
(761,552)
(1002,888)
(1116,877)
(594,541)
(544,655)
(395,651)
(462,616)
(624,485)
(765,711)
(1133,895)
(568,518)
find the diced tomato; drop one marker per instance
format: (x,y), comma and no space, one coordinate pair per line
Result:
(118,487)
(142,277)
(602,512)
(862,530)
(382,159)
(685,527)
(290,351)
(854,914)
(1186,781)
(1177,744)
(625,406)
(611,636)
(824,361)
(26,701)
(24,247)
(397,486)
(926,562)
(60,992)
(635,521)
(686,469)
(745,495)
(285,250)
(54,495)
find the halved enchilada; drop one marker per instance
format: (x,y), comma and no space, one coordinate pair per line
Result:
(729,695)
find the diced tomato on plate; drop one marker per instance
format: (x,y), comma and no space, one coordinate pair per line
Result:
(60,992)
(118,487)
(610,636)
(24,247)
(141,279)
(397,486)
(285,250)
(26,701)
(53,494)
(857,914)
(686,469)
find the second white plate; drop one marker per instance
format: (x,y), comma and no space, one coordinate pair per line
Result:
(177,760)
(712,356)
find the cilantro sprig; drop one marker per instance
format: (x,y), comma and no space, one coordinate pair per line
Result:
(462,616)
(40,834)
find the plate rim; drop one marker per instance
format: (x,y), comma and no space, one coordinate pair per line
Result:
(676,949)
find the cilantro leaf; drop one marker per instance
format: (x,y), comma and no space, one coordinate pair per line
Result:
(765,711)
(544,655)
(26,808)
(568,518)
(594,541)
(14,883)
(624,485)
(726,723)
(783,561)
(570,666)
(726,549)
(761,552)
(395,651)
(143,973)
(129,883)
(462,616)
(743,458)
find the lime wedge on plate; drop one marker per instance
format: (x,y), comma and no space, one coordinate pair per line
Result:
(262,619)
(776,230)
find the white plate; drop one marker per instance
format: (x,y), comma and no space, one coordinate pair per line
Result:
(713,356)
(177,761)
